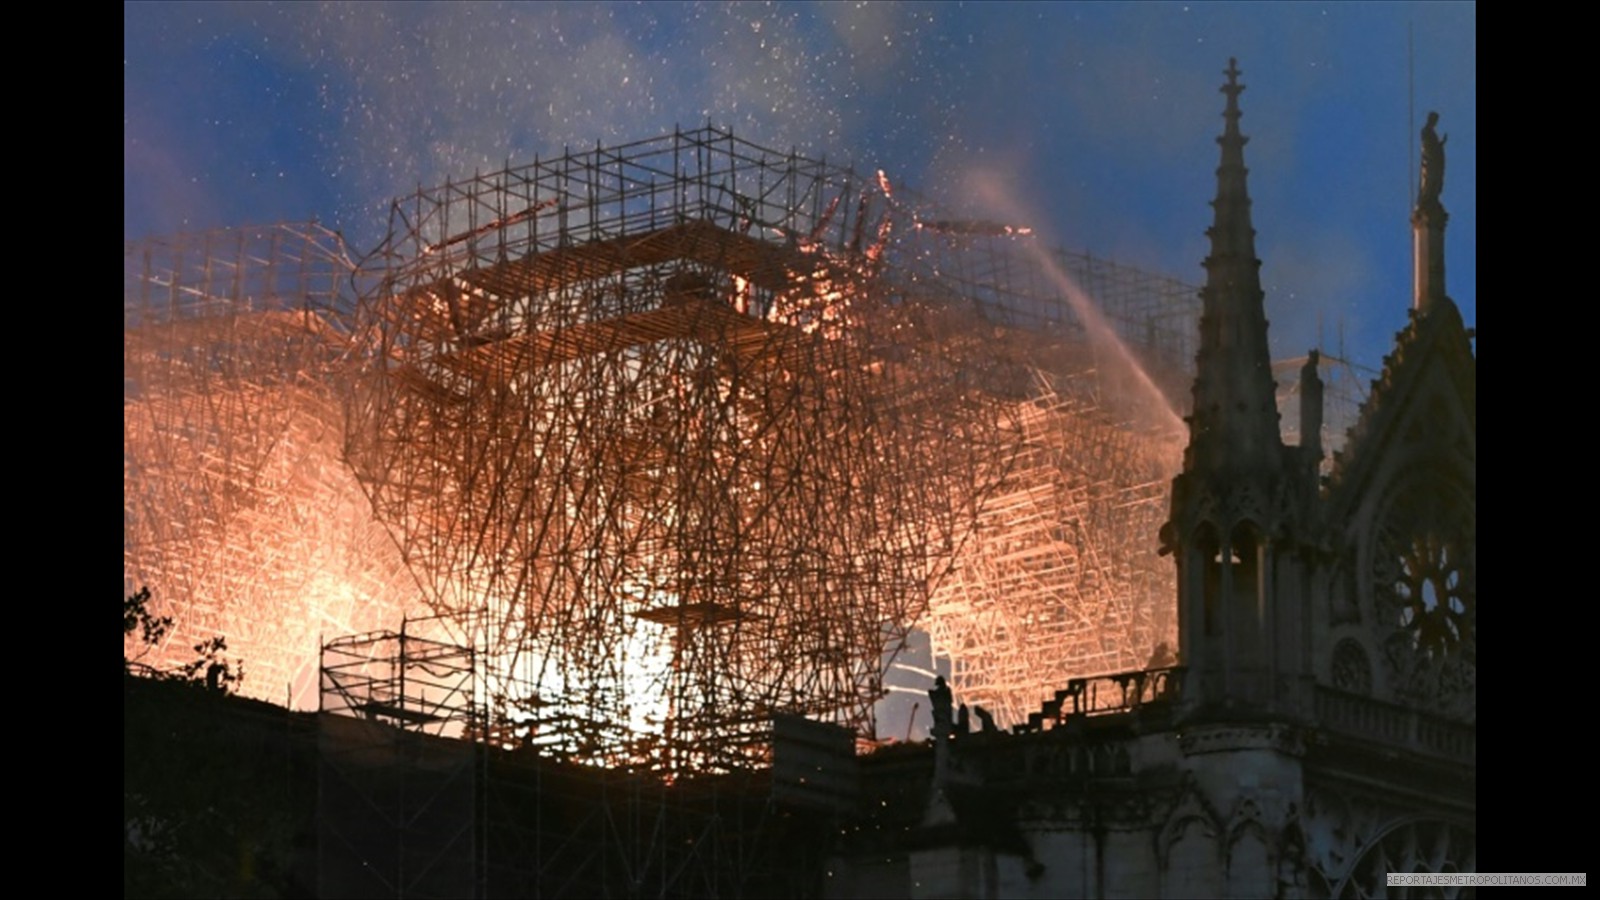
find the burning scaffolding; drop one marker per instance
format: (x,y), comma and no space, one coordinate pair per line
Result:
(653,408)
(677,436)
(237,508)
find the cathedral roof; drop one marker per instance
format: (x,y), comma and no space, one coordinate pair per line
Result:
(1435,345)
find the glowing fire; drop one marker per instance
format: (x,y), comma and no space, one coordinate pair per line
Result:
(272,547)
(664,481)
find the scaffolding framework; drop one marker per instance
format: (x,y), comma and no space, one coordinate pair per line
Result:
(237,508)
(652,407)
(400,780)
(682,435)
(1058,576)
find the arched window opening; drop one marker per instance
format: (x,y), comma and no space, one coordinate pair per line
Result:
(1210,548)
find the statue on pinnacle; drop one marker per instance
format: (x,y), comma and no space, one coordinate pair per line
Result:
(1432,163)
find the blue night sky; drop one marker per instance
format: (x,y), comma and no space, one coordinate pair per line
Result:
(1096,121)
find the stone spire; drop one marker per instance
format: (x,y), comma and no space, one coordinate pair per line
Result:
(1242,505)
(1235,421)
